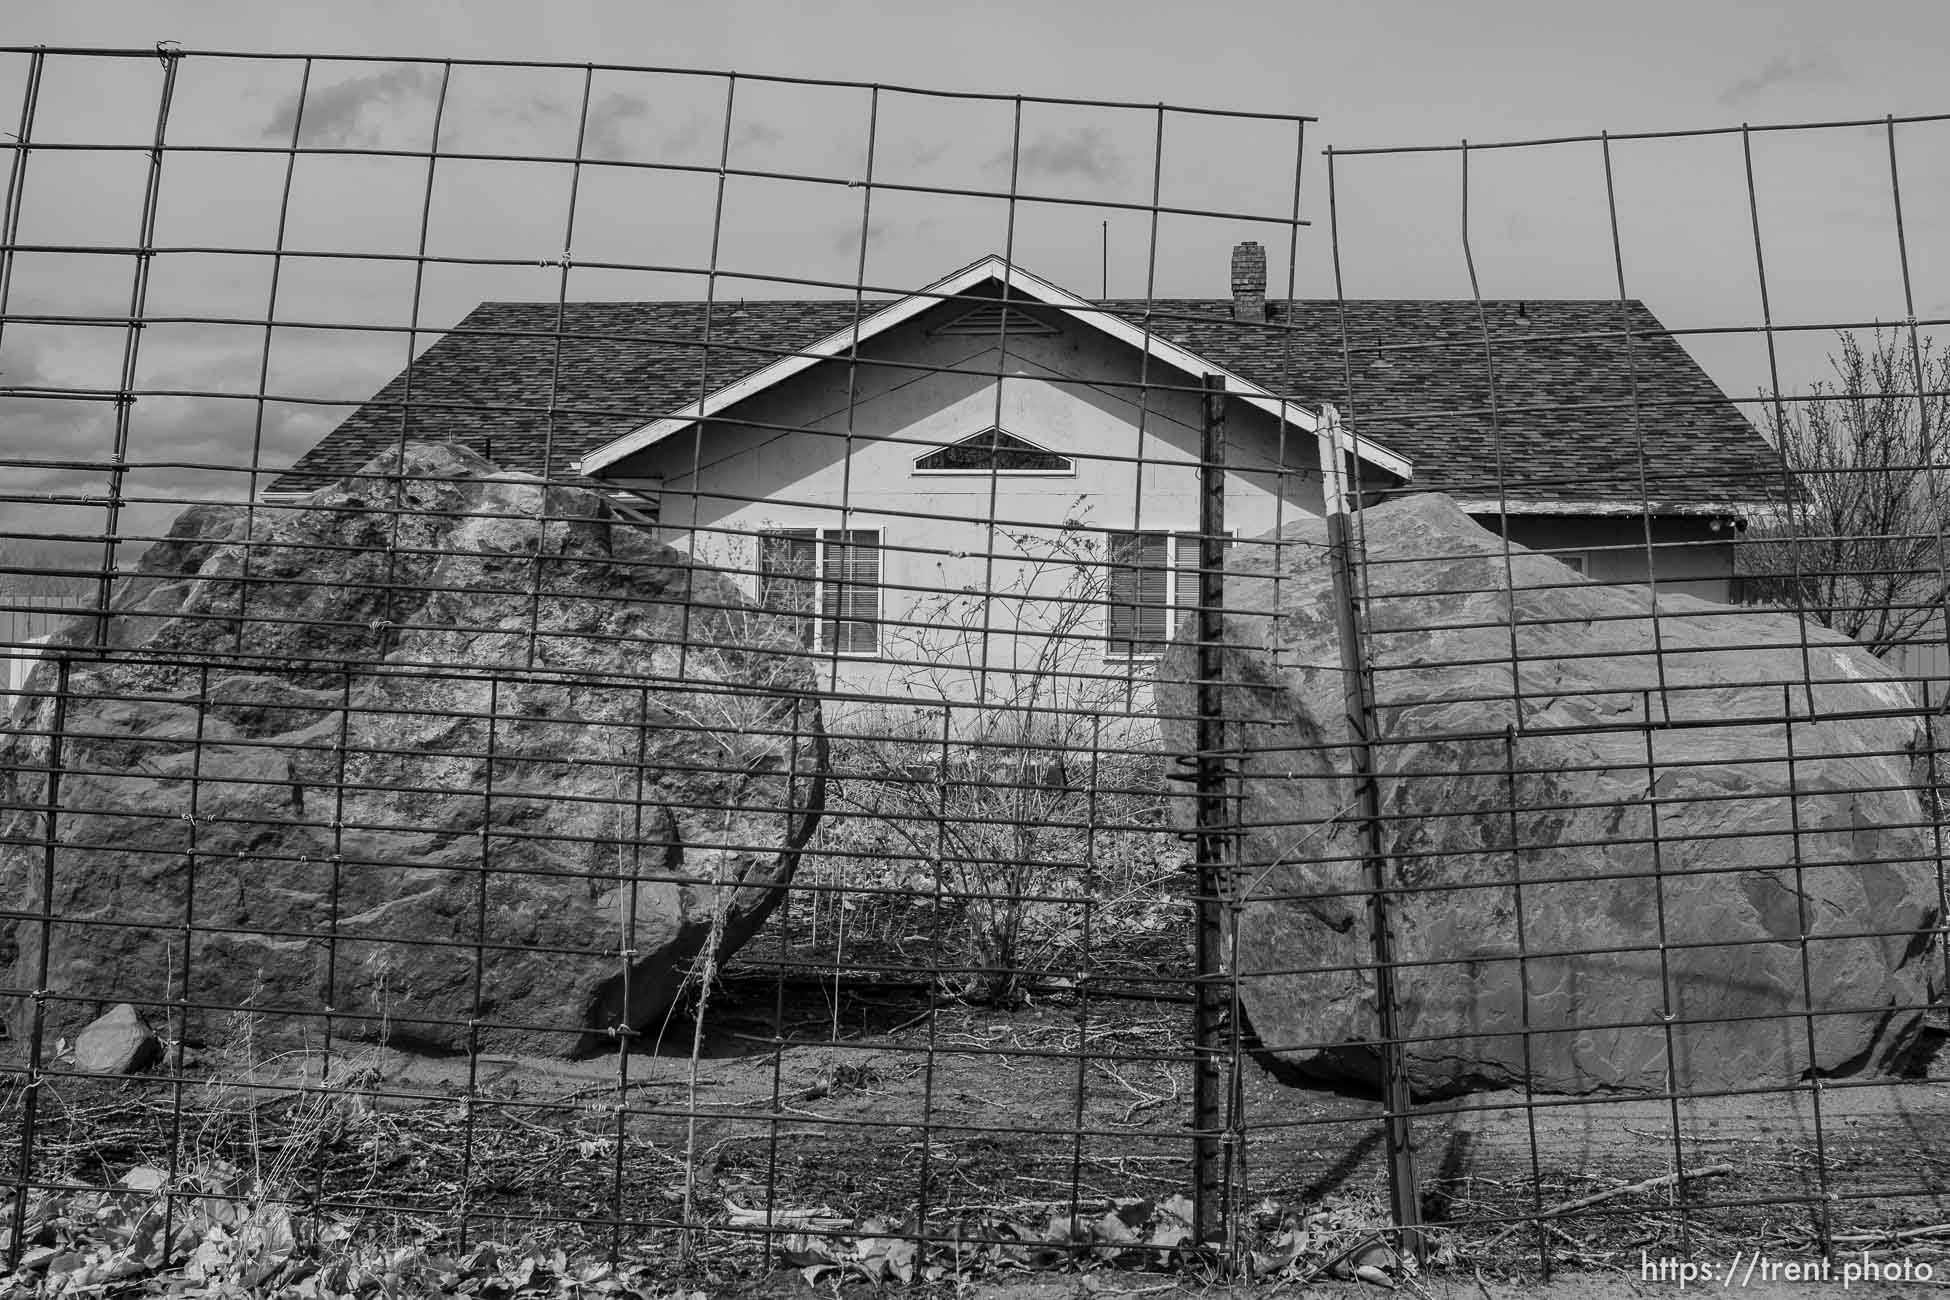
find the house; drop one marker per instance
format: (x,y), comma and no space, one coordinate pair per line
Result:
(992,479)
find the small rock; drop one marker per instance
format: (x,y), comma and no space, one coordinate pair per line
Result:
(120,1042)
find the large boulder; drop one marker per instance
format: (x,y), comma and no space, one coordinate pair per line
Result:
(438,744)
(1620,829)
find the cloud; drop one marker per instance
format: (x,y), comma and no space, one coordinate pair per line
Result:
(181,451)
(845,237)
(755,133)
(339,115)
(532,108)
(211,438)
(38,427)
(686,137)
(1086,152)
(920,155)
(699,132)
(1808,69)
(606,134)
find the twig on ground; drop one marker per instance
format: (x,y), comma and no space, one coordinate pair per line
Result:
(1893,1234)
(1582,1202)
(722,1143)
(599,1089)
(1145,1100)
(909,1023)
(1689,1137)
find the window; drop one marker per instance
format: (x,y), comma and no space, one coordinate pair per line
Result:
(830,577)
(788,569)
(993,451)
(1148,593)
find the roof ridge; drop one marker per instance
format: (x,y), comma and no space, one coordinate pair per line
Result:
(1098,302)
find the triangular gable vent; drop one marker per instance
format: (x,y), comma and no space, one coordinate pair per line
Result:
(988,319)
(993,450)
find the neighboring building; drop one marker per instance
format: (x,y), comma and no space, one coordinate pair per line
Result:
(880,465)
(27,621)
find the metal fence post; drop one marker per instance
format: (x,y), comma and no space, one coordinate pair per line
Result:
(37,1000)
(1212,822)
(1403,1191)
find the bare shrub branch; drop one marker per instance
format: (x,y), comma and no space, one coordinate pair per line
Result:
(1858,547)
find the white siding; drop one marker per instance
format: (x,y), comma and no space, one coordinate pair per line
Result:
(855,439)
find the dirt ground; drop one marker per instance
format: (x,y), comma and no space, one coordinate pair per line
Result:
(886,1104)
(1565,1286)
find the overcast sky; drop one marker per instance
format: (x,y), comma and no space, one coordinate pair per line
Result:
(1375,74)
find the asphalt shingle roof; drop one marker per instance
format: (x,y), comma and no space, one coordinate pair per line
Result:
(1560,419)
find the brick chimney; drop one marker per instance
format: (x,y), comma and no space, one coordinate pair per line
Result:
(1249,282)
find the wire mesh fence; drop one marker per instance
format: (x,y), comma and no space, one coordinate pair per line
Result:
(634,678)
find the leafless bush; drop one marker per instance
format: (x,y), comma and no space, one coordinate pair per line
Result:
(1013,794)
(1858,545)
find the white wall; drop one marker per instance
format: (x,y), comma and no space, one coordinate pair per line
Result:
(20,658)
(1926,659)
(859,433)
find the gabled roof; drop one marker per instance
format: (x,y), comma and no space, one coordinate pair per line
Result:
(1014,282)
(539,386)
(1591,406)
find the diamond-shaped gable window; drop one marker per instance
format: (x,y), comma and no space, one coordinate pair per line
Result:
(993,450)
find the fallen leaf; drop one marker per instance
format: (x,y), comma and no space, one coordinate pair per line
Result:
(1114,1235)
(38,1258)
(264,1244)
(902,1256)
(145,1178)
(802,1251)
(484,1258)
(62,1263)
(1282,1252)
(1174,1224)
(1373,1276)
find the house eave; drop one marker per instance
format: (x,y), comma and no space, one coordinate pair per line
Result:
(1723,509)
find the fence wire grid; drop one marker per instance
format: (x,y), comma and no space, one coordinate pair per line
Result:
(605,673)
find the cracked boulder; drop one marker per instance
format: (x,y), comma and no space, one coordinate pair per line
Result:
(437,745)
(1615,862)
